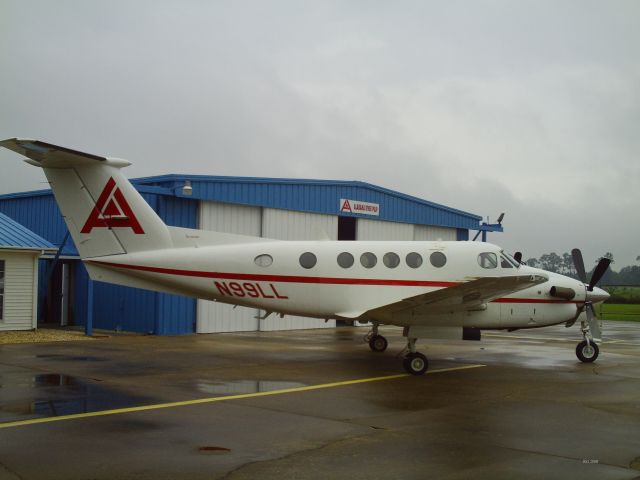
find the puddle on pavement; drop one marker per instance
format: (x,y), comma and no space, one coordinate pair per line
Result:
(237,387)
(28,395)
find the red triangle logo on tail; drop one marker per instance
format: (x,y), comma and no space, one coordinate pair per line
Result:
(112,210)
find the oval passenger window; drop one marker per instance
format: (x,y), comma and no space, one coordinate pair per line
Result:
(414,260)
(308,260)
(391,260)
(368,260)
(345,260)
(438,259)
(263,260)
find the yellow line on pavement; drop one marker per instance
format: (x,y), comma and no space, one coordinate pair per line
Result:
(158,406)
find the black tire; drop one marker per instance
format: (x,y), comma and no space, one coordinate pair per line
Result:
(415,363)
(378,343)
(587,354)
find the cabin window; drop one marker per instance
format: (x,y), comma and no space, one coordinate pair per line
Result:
(308,260)
(368,260)
(263,260)
(345,260)
(414,260)
(391,260)
(488,260)
(1,289)
(438,259)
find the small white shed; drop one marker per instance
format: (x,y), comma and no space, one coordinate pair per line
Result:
(20,249)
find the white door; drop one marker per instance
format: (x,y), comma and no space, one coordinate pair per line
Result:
(222,217)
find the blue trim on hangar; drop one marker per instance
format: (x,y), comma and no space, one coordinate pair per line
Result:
(116,307)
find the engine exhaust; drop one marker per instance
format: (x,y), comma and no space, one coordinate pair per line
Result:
(562,292)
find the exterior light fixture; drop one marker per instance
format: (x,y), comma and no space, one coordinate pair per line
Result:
(187,189)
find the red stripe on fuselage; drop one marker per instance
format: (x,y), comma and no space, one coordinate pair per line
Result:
(276,278)
(316,280)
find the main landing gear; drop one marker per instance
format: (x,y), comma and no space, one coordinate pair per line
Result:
(377,342)
(587,351)
(414,362)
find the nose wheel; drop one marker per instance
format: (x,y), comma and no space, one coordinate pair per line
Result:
(587,352)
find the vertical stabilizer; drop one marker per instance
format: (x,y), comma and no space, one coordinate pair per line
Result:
(105,214)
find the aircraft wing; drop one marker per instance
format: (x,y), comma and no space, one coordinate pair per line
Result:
(463,296)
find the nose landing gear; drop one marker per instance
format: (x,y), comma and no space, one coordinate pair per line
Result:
(587,351)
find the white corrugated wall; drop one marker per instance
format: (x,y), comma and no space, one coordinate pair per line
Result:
(291,225)
(379,230)
(270,223)
(427,232)
(223,217)
(20,284)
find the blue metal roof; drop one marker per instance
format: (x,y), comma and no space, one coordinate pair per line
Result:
(318,196)
(14,235)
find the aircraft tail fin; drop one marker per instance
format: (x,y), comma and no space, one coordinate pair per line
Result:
(105,214)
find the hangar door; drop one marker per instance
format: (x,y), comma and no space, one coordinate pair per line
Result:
(379,230)
(292,225)
(222,217)
(428,232)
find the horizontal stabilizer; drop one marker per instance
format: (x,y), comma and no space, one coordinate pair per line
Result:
(46,155)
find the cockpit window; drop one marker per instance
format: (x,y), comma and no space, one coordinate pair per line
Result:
(510,259)
(504,263)
(488,260)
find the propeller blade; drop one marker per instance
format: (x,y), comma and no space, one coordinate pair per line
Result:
(592,321)
(518,257)
(602,266)
(579,264)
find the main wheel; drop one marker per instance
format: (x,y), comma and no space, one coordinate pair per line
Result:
(415,363)
(587,353)
(378,343)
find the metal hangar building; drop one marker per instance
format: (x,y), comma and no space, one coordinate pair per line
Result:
(287,209)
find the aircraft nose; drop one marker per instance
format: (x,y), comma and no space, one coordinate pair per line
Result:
(597,295)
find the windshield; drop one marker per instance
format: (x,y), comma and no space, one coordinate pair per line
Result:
(510,259)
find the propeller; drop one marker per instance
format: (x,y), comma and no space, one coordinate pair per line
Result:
(587,307)
(597,274)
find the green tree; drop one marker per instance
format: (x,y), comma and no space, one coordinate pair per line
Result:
(567,265)
(608,255)
(551,262)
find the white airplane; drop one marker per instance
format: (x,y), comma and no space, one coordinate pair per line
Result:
(432,289)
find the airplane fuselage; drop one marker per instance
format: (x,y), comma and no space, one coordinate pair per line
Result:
(418,285)
(270,275)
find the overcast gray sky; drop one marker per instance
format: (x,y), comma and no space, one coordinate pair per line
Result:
(526,107)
